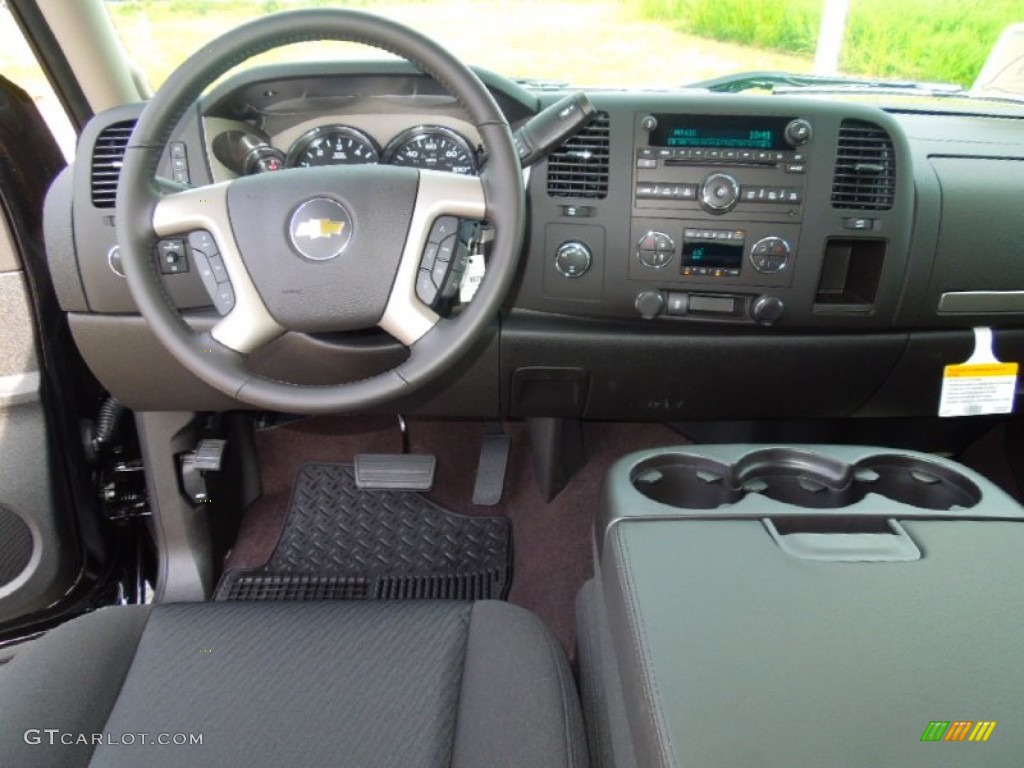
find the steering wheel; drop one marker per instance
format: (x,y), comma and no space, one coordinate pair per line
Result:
(336,248)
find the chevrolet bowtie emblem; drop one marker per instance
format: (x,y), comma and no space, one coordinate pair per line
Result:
(321,229)
(318,228)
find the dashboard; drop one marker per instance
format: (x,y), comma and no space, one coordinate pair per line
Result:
(689,254)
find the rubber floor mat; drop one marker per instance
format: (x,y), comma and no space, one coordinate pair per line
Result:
(340,542)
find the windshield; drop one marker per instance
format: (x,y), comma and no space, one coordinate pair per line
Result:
(626,43)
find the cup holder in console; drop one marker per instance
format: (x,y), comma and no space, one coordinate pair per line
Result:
(801,478)
(916,482)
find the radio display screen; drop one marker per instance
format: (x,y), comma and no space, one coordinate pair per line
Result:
(712,255)
(720,132)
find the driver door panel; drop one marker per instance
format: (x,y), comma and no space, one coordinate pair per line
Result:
(39,555)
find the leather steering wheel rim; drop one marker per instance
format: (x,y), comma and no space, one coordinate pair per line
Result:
(141,197)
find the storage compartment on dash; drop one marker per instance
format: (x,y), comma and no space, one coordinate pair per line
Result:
(803,478)
(851,271)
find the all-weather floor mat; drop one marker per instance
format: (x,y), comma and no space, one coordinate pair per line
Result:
(340,542)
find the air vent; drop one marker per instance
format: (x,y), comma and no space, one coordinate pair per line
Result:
(579,168)
(865,168)
(107,158)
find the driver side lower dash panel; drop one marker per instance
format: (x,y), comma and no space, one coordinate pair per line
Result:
(340,542)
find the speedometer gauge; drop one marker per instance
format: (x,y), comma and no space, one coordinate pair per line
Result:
(432,147)
(333,145)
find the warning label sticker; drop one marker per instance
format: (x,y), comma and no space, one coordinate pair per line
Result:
(978,389)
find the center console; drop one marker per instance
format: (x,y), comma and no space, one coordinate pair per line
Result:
(795,606)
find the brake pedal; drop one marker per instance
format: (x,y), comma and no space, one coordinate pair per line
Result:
(395,472)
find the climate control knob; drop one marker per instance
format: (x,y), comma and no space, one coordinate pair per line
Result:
(719,193)
(770,255)
(655,250)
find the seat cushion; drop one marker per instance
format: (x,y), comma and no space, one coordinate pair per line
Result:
(278,684)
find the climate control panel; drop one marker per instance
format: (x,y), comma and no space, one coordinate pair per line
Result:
(678,251)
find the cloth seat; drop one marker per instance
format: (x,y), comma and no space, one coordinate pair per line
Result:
(362,684)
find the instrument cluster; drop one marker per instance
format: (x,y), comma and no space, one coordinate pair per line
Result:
(431,147)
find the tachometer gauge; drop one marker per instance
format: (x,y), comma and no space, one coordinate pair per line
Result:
(333,145)
(432,147)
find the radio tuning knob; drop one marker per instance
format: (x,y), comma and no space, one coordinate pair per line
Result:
(649,123)
(719,193)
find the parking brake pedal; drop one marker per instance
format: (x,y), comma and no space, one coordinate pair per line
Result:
(490,470)
(394,472)
(207,457)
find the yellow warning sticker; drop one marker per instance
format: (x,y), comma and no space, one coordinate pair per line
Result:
(980,386)
(983,371)
(978,390)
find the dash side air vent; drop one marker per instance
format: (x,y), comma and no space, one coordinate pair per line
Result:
(579,168)
(865,176)
(107,158)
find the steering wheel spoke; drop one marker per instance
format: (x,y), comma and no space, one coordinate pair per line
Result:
(406,317)
(248,324)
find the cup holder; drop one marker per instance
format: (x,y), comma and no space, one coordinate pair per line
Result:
(803,479)
(682,480)
(916,482)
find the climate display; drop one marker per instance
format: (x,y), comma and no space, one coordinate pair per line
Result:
(720,132)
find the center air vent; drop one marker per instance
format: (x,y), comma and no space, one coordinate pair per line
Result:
(579,168)
(865,177)
(107,158)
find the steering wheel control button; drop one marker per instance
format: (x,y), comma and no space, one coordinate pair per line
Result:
(224,298)
(201,240)
(444,227)
(320,229)
(719,193)
(440,272)
(220,273)
(426,291)
(172,257)
(573,259)
(446,250)
(655,250)
(770,255)
(429,256)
